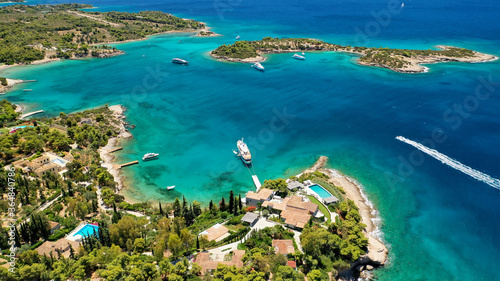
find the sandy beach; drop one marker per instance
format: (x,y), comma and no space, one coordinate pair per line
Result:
(107,158)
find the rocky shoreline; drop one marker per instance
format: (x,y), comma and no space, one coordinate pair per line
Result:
(107,158)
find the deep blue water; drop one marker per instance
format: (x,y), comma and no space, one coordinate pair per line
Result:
(440,223)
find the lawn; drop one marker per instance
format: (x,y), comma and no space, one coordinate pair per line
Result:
(322,208)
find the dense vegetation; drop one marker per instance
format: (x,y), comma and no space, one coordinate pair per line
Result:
(28,33)
(332,249)
(7,112)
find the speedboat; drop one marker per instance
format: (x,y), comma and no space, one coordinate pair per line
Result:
(170,187)
(237,37)
(179,61)
(258,66)
(244,152)
(149,156)
(298,57)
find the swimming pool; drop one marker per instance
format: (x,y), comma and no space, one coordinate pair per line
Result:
(87,230)
(320,191)
(59,161)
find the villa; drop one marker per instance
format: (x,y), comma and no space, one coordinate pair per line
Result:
(252,198)
(293,210)
(209,263)
(46,163)
(284,247)
(216,233)
(62,246)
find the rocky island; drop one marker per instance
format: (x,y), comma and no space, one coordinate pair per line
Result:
(398,60)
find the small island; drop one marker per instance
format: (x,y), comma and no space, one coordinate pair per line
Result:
(398,60)
(44,33)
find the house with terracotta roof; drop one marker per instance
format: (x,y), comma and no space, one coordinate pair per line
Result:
(253,198)
(62,246)
(53,226)
(216,233)
(283,246)
(292,264)
(294,218)
(209,262)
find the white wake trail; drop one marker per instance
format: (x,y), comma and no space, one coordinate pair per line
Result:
(453,163)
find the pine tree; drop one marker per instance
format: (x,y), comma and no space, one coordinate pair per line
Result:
(161,210)
(197,242)
(222,205)
(240,203)
(177,207)
(211,206)
(70,189)
(231,201)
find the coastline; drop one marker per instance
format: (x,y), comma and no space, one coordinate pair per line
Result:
(377,253)
(107,158)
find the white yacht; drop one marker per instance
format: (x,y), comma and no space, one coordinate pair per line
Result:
(258,66)
(179,61)
(149,156)
(298,57)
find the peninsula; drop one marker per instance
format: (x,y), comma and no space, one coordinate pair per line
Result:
(47,32)
(398,60)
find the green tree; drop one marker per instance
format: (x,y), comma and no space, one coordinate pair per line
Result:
(175,244)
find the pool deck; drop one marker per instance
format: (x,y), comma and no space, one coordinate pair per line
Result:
(311,192)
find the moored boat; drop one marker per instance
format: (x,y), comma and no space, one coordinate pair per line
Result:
(179,61)
(244,152)
(258,66)
(298,57)
(149,156)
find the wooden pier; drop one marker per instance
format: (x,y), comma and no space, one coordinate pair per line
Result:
(119,166)
(115,149)
(30,114)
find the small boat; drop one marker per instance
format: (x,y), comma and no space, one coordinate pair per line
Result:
(149,156)
(244,154)
(303,53)
(238,37)
(258,66)
(402,5)
(298,57)
(179,61)
(170,187)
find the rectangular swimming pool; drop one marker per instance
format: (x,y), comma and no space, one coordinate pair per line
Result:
(87,230)
(320,191)
(59,161)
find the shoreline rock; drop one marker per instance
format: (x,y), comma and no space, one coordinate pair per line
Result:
(107,158)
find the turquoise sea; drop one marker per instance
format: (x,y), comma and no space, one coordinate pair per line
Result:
(440,223)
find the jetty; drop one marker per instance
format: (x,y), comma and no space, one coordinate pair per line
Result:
(256,181)
(119,166)
(115,149)
(30,114)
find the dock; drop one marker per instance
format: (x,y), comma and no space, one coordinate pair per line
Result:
(119,166)
(115,149)
(30,114)
(256,181)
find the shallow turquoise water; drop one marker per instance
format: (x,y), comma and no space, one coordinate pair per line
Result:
(440,223)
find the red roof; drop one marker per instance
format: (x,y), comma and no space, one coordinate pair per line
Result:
(292,264)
